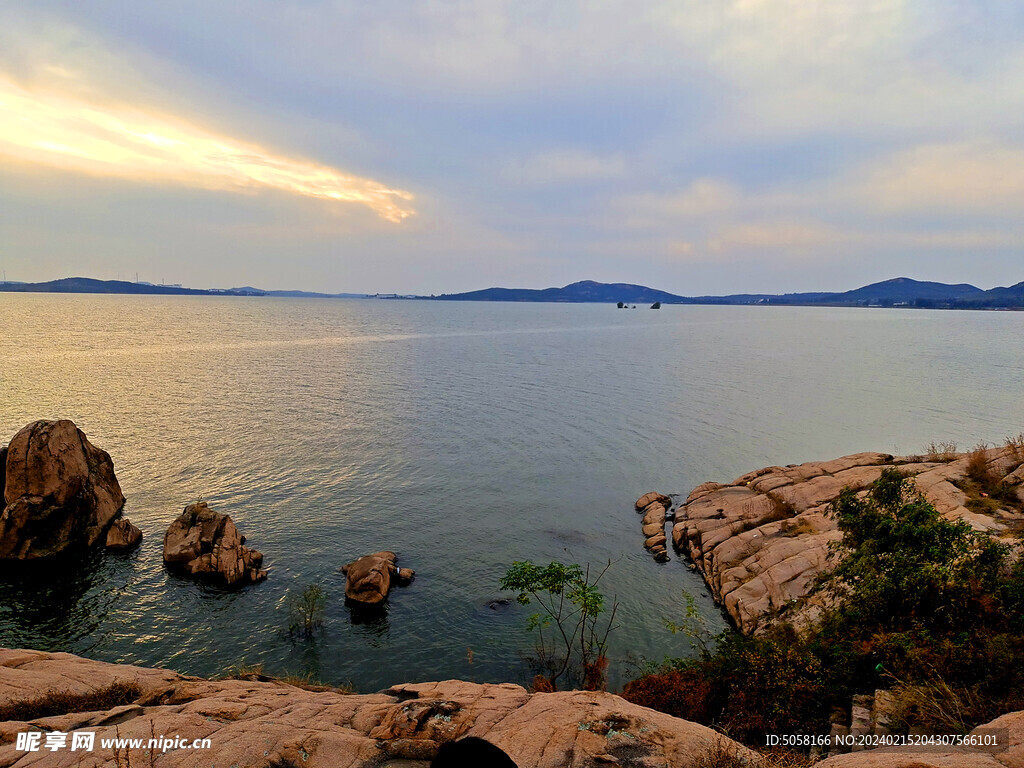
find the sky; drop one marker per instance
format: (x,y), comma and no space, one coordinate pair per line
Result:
(427,146)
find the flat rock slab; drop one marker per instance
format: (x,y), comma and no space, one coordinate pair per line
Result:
(262,724)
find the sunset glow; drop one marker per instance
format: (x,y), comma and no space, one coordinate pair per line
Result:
(55,129)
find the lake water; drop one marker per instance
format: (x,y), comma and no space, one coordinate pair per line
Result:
(463,436)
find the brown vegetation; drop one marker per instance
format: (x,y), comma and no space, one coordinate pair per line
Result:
(54,703)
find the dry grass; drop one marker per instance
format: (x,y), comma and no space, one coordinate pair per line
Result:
(978,468)
(1016,446)
(793,528)
(254,673)
(721,753)
(944,451)
(936,707)
(54,703)
(724,753)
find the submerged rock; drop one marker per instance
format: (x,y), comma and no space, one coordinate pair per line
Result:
(368,579)
(60,493)
(204,543)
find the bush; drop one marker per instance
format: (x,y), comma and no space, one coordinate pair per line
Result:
(571,607)
(903,563)
(306,610)
(685,693)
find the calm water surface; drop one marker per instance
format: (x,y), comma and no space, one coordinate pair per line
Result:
(464,436)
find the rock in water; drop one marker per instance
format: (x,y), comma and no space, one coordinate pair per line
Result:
(207,544)
(60,493)
(368,579)
(123,535)
(650,498)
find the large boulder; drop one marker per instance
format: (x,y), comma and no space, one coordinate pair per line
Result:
(59,493)
(206,544)
(368,579)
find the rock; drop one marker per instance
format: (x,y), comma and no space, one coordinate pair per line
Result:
(123,535)
(368,579)
(60,493)
(650,498)
(761,541)
(206,544)
(658,540)
(653,529)
(654,513)
(267,723)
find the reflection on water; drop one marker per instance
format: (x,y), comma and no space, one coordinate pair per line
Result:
(463,437)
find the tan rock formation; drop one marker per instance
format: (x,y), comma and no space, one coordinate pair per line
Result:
(204,543)
(761,541)
(59,493)
(651,498)
(263,724)
(654,507)
(368,579)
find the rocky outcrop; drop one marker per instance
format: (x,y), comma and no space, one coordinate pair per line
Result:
(122,535)
(60,493)
(761,541)
(654,507)
(368,579)
(269,723)
(206,544)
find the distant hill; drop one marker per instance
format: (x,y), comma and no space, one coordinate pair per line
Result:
(90,285)
(899,291)
(582,292)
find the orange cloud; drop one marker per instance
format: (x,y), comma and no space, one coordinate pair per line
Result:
(65,131)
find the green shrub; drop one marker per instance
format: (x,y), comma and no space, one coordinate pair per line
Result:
(571,635)
(306,610)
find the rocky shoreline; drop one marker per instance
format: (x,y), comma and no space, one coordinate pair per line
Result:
(270,724)
(761,541)
(265,723)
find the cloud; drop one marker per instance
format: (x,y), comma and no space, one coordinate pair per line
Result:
(980,176)
(790,235)
(46,125)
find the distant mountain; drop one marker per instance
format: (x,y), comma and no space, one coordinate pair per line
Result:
(904,289)
(90,285)
(582,292)
(899,291)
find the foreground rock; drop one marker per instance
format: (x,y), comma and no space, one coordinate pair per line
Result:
(59,494)
(761,541)
(264,724)
(368,579)
(204,543)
